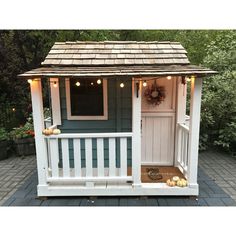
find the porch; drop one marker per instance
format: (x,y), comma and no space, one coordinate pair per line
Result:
(84,171)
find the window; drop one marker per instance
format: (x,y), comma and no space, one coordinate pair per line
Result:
(86,99)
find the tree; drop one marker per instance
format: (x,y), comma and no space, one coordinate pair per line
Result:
(218,125)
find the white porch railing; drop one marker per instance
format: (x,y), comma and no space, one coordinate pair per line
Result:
(182,147)
(64,148)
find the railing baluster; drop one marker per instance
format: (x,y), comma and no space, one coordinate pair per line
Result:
(77,158)
(65,158)
(89,160)
(100,157)
(54,154)
(184,148)
(112,156)
(182,145)
(123,156)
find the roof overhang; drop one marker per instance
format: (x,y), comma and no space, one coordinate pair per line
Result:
(111,71)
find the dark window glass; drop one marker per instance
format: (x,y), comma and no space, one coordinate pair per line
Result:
(86,97)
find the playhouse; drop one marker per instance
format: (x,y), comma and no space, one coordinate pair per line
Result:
(119,123)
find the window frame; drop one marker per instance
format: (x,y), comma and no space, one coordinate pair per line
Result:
(68,104)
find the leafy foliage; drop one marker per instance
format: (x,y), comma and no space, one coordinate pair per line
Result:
(219,93)
(3,134)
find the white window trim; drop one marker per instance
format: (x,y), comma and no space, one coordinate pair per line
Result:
(68,104)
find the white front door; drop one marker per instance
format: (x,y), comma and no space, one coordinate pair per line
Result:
(158,125)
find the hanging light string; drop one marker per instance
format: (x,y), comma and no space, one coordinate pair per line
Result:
(185,78)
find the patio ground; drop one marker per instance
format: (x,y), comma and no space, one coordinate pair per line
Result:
(217,181)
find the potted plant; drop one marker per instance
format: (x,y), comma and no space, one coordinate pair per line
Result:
(23,138)
(3,143)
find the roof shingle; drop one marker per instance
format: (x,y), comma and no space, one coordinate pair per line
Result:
(108,53)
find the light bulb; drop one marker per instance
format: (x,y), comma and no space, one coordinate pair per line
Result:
(144,83)
(55,84)
(30,81)
(92,83)
(122,85)
(188,79)
(169,77)
(77,83)
(99,81)
(13,109)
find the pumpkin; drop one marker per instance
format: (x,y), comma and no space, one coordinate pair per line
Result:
(56,131)
(176,178)
(47,131)
(170,183)
(182,183)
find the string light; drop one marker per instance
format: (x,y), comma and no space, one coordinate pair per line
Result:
(77,83)
(144,83)
(188,79)
(13,109)
(91,83)
(169,77)
(99,81)
(54,84)
(29,81)
(122,85)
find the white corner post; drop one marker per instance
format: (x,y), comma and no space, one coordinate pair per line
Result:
(194,128)
(136,129)
(38,117)
(55,101)
(181,91)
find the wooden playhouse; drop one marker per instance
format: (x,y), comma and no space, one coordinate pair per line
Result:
(121,110)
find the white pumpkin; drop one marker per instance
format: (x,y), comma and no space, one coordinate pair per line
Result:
(176,178)
(56,131)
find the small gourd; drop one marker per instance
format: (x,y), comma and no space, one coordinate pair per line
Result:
(182,183)
(56,131)
(176,178)
(170,183)
(47,131)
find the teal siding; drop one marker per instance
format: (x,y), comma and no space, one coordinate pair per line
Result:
(119,119)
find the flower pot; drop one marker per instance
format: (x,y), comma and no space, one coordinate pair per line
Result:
(3,149)
(25,146)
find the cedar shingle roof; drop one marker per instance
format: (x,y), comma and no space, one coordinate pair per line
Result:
(84,53)
(116,58)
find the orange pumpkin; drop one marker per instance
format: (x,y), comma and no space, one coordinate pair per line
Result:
(47,131)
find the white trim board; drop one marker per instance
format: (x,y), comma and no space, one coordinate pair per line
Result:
(68,104)
(145,189)
(55,101)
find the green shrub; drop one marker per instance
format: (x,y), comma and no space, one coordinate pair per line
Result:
(3,134)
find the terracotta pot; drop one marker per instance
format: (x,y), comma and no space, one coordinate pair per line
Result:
(25,146)
(3,149)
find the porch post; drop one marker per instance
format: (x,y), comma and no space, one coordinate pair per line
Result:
(136,129)
(194,127)
(181,91)
(38,117)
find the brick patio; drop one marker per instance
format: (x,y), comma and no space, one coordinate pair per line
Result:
(217,187)
(13,173)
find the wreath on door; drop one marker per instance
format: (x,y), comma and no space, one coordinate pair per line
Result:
(155,94)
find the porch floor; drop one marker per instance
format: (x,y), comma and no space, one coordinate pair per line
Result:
(166,172)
